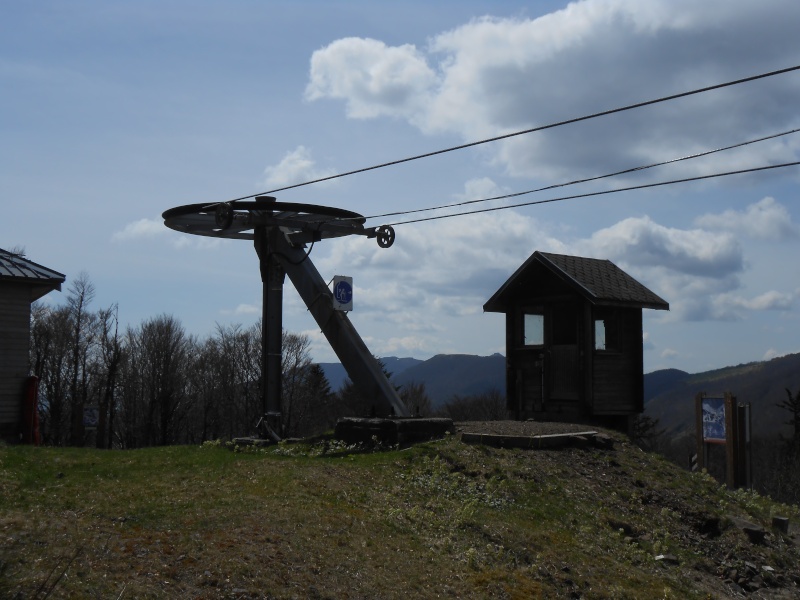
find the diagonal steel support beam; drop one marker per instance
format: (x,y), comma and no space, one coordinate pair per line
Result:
(362,367)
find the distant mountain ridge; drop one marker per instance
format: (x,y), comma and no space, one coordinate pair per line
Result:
(337,375)
(444,375)
(669,394)
(448,375)
(658,382)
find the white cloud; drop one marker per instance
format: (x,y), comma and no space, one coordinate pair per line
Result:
(449,268)
(647,343)
(480,189)
(453,259)
(242,310)
(435,274)
(154,228)
(669,353)
(771,300)
(143,228)
(697,271)
(374,79)
(641,242)
(498,75)
(295,167)
(766,219)
(405,346)
(198,242)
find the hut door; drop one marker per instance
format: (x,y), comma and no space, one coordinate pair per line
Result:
(563,353)
(530,372)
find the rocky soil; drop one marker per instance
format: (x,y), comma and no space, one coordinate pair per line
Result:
(743,555)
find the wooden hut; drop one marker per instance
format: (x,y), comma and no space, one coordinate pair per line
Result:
(574,339)
(21,282)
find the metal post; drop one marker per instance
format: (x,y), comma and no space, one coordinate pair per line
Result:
(731,442)
(272,278)
(743,453)
(701,447)
(361,365)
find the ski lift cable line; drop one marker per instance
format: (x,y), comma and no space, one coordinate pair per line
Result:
(526,131)
(600,193)
(585,180)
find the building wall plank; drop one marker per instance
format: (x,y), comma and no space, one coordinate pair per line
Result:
(15,311)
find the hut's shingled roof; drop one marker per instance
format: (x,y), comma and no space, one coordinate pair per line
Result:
(600,281)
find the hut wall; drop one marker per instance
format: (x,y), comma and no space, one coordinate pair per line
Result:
(617,379)
(15,312)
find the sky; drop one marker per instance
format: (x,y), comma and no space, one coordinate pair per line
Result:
(112,112)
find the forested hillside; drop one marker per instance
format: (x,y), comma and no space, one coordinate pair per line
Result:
(762,384)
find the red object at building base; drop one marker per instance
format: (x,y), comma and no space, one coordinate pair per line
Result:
(30,412)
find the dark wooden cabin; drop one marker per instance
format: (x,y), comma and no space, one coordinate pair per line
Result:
(574,340)
(21,283)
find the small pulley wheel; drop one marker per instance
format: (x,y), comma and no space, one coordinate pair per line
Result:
(385,236)
(223,215)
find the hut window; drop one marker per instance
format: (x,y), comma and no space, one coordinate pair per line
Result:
(605,332)
(534,329)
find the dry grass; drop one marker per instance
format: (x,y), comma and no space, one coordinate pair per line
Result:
(438,520)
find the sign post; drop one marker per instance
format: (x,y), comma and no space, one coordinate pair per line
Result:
(720,420)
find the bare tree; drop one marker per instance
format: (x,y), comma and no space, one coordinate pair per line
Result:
(154,399)
(295,363)
(111,354)
(81,294)
(489,406)
(156,385)
(205,414)
(226,372)
(792,406)
(50,342)
(416,399)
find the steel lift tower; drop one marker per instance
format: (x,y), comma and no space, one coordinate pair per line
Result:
(280,233)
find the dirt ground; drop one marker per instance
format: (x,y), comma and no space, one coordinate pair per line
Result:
(743,567)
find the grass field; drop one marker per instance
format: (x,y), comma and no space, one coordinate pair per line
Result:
(440,519)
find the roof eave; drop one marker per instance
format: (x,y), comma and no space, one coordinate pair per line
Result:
(39,291)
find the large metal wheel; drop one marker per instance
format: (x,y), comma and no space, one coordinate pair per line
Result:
(238,220)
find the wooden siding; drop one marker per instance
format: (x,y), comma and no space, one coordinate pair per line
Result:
(617,374)
(15,311)
(530,385)
(565,373)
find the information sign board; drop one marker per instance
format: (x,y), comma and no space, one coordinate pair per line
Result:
(714,420)
(342,293)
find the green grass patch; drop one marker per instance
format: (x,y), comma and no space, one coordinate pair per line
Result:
(322,519)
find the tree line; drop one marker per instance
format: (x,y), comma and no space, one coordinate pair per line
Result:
(155,384)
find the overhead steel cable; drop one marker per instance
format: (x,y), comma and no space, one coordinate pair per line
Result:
(587,179)
(531,130)
(600,193)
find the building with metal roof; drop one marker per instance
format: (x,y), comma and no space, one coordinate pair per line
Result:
(22,281)
(574,339)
